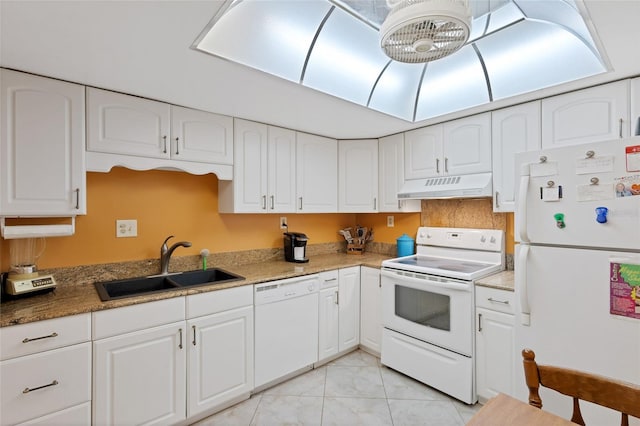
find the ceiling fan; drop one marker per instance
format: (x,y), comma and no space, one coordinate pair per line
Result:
(417,31)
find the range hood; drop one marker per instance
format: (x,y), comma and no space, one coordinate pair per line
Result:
(463,186)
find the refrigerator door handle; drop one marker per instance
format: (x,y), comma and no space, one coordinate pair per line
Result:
(521,284)
(521,207)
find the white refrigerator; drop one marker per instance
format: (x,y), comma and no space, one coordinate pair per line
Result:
(577,265)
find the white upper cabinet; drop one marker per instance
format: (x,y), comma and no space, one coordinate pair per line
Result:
(264,170)
(143,134)
(591,115)
(358,176)
(467,145)
(41,147)
(514,129)
(456,147)
(391,176)
(423,152)
(635,107)
(201,136)
(316,174)
(123,124)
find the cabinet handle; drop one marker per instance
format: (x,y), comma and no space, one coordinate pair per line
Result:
(77,191)
(164,144)
(330,280)
(336,299)
(446,165)
(31,339)
(504,302)
(264,202)
(399,205)
(620,127)
(479,322)
(180,344)
(375,203)
(272,203)
(177,146)
(497,203)
(300,202)
(193,327)
(437,165)
(27,390)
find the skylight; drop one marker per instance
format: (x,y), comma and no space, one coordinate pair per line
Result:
(515,47)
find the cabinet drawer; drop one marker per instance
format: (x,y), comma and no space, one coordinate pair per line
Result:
(25,339)
(219,301)
(80,415)
(328,279)
(42,383)
(112,322)
(495,299)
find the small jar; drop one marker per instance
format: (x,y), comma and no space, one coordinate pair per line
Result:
(405,245)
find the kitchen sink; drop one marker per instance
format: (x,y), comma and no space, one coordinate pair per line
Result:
(119,289)
(209,276)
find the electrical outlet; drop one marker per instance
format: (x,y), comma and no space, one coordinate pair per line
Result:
(390,222)
(283,222)
(126,228)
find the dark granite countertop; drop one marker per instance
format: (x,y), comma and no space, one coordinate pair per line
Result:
(77,295)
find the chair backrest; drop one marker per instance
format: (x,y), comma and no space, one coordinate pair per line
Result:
(617,395)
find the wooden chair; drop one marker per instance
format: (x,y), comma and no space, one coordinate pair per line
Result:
(620,396)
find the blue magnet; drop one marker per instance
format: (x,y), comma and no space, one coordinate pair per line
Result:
(601,214)
(559,217)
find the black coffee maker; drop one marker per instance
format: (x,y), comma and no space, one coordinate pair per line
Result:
(295,247)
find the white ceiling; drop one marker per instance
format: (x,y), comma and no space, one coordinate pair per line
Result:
(143,48)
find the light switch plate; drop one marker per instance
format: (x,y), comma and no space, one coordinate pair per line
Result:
(126,228)
(390,222)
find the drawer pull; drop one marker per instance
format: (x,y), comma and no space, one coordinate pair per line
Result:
(504,302)
(27,390)
(27,339)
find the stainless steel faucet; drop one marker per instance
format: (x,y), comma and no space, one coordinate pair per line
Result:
(166,252)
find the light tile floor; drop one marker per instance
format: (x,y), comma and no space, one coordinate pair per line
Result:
(353,390)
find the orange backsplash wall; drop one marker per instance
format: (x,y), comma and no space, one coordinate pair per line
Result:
(175,203)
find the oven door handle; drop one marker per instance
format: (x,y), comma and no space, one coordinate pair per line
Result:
(435,284)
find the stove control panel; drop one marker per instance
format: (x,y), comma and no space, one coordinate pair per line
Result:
(467,238)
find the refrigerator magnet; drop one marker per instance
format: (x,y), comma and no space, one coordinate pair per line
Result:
(633,158)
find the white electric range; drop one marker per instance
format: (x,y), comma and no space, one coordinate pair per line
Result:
(428,306)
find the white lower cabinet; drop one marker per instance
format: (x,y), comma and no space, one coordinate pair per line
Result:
(495,351)
(349,308)
(140,377)
(45,372)
(370,309)
(339,311)
(220,354)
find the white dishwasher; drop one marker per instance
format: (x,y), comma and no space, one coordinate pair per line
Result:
(286,327)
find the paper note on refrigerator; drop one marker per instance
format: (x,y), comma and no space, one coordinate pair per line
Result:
(594,165)
(624,288)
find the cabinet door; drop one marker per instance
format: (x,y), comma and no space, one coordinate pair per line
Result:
(316,174)
(467,145)
(124,124)
(591,115)
(281,171)
(328,323)
(140,377)
(349,307)
(370,309)
(514,129)
(250,167)
(41,147)
(201,136)
(391,176)
(494,353)
(423,152)
(220,358)
(358,176)
(635,107)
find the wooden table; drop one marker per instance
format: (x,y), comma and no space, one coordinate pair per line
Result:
(504,410)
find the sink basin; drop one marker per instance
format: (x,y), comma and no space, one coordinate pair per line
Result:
(111,290)
(119,289)
(209,276)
